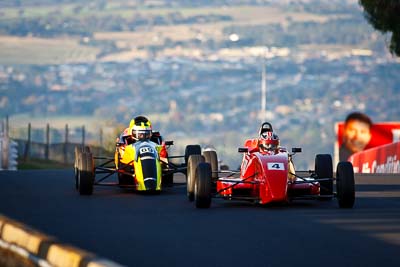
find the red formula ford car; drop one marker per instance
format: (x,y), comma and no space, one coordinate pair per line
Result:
(267,175)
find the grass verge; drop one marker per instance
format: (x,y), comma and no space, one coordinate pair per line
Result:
(32,164)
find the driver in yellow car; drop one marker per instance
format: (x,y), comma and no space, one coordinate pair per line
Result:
(140,130)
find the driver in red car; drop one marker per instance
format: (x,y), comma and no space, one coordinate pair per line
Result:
(268,142)
(125,137)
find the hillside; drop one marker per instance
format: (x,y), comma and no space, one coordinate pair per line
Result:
(195,69)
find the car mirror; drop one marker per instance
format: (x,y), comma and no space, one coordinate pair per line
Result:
(243,149)
(169,143)
(296,149)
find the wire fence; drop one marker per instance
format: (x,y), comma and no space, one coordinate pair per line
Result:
(50,143)
(60,152)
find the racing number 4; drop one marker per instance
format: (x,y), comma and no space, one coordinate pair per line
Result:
(276,166)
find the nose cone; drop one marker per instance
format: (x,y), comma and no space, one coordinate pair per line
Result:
(150,183)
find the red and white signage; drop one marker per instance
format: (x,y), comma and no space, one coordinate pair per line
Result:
(382,159)
(382,133)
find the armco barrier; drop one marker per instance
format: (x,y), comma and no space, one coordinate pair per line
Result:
(381,159)
(44,250)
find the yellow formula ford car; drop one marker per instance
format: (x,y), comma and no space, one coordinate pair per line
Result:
(143,165)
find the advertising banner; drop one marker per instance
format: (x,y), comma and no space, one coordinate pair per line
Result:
(382,133)
(381,159)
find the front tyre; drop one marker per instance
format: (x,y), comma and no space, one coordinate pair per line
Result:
(78,153)
(191,150)
(211,157)
(202,188)
(194,161)
(125,180)
(323,170)
(85,174)
(86,149)
(168,179)
(345,185)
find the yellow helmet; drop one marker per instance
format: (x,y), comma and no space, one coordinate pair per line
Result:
(140,128)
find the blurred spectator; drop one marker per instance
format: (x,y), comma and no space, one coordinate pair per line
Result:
(356,134)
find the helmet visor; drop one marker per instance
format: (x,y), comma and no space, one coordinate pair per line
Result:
(269,147)
(141,134)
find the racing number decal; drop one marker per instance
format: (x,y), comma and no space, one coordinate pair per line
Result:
(145,149)
(278,166)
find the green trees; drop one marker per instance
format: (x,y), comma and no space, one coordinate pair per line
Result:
(383,15)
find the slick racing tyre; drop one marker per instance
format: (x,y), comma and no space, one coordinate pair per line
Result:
(202,185)
(78,153)
(323,170)
(168,179)
(86,149)
(78,150)
(194,161)
(210,156)
(224,167)
(345,185)
(85,174)
(191,150)
(125,179)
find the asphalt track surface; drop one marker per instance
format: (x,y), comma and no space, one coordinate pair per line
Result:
(167,230)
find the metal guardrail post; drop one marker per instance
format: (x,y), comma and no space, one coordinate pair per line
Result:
(66,144)
(27,152)
(46,149)
(12,155)
(8,149)
(1,152)
(4,145)
(5,153)
(83,135)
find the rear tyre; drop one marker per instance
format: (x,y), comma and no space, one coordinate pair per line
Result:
(124,180)
(194,161)
(76,164)
(86,174)
(202,188)
(168,179)
(211,157)
(224,167)
(324,169)
(86,149)
(345,185)
(191,150)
